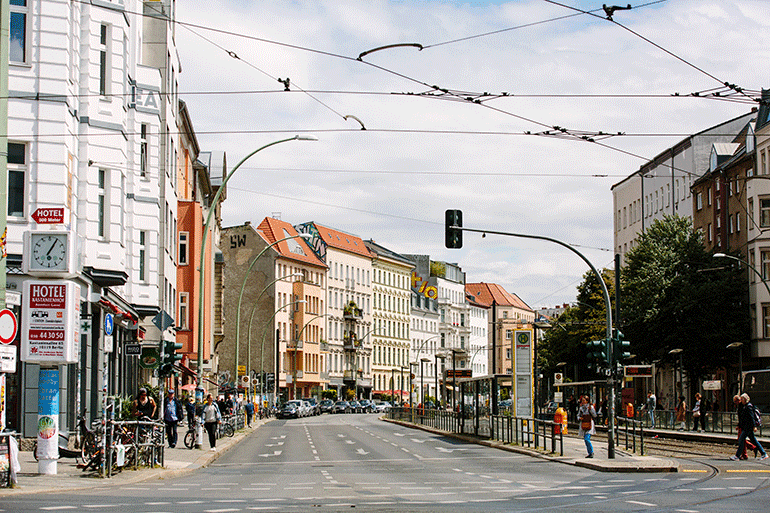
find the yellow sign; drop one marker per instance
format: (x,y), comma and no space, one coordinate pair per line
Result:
(241,370)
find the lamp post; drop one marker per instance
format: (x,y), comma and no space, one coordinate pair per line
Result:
(240,297)
(761,278)
(678,351)
(299,338)
(455,352)
(204,236)
(419,350)
(422,381)
(435,374)
(543,325)
(737,346)
(392,383)
(401,386)
(251,317)
(264,332)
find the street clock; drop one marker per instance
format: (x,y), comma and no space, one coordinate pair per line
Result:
(48,253)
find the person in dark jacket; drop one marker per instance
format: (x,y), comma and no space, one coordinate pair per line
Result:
(746,425)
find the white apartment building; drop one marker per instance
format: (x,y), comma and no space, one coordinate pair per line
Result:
(349,305)
(92,117)
(662,185)
(479,341)
(391,314)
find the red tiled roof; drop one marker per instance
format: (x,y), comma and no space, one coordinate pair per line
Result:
(485,293)
(275,229)
(343,241)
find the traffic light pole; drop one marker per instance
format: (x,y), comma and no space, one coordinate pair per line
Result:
(454,227)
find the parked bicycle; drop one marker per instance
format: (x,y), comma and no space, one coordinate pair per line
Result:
(226,427)
(191,437)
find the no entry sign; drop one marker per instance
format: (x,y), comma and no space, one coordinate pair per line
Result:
(8,326)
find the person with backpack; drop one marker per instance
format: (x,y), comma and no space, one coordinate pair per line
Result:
(748,421)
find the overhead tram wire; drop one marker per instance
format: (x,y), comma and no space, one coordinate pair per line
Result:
(656,45)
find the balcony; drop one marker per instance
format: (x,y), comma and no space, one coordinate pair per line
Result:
(352,312)
(351,342)
(294,344)
(324,346)
(350,284)
(324,376)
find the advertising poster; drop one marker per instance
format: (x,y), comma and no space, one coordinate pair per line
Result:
(51,321)
(48,415)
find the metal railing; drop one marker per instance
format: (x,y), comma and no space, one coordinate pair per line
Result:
(724,422)
(134,444)
(532,433)
(631,433)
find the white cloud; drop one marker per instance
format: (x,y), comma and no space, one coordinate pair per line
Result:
(545,190)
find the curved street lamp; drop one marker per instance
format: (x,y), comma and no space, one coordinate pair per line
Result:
(204,236)
(243,287)
(253,310)
(264,332)
(299,338)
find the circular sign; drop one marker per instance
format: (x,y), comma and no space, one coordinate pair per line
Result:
(8,326)
(109,324)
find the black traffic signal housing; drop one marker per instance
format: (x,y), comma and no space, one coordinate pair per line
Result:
(453,234)
(169,357)
(621,348)
(597,353)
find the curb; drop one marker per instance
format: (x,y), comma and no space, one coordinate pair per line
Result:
(620,467)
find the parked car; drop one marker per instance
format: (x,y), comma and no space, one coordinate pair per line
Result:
(367,406)
(382,406)
(341,407)
(355,407)
(289,410)
(302,410)
(326,406)
(315,408)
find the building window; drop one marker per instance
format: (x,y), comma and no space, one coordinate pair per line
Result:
(142,256)
(508,334)
(699,201)
(765,320)
(184,299)
(183,246)
(765,255)
(708,196)
(17,178)
(102,203)
(143,150)
(104,60)
(764,213)
(18,41)
(709,237)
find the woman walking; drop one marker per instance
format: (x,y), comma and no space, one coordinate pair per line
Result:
(211,419)
(681,413)
(586,415)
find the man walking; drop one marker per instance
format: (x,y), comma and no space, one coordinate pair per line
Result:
(650,406)
(172,413)
(747,426)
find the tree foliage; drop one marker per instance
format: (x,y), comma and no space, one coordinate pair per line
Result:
(676,295)
(566,340)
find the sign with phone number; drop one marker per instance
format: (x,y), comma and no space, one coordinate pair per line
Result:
(51,311)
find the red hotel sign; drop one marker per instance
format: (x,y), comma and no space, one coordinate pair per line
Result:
(51,314)
(48,215)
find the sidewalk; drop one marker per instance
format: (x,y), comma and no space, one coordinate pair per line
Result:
(574,453)
(178,461)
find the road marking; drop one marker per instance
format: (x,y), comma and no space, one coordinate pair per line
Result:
(56,508)
(362,452)
(202,489)
(748,470)
(275,453)
(227,510)
(687,510)
(691,470)
(640,503)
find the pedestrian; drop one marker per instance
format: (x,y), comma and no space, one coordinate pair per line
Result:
(189,406)
(586,415)
(697,413)
(650,406)
(748,446)
(143,405)
(681,413)
(211,419)
(572,407)
(172,414)
(249,407)
(747,426)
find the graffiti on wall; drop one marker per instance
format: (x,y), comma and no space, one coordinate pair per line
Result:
(420,285)
(315,241)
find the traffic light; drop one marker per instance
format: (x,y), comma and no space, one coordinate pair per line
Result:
(169,357)
(621,347)
(453,236)
(597,352)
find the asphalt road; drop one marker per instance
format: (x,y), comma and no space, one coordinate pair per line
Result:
(357,462)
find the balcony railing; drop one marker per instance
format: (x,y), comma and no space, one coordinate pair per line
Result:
(294,344)
(324,346)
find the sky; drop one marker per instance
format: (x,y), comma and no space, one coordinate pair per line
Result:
(463,121)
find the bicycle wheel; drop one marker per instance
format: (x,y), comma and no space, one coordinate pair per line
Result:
(189,439)
(227,429)
(88,447)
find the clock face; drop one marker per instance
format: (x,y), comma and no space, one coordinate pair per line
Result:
(49,251)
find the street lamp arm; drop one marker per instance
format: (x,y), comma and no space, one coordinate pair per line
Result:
(204,236)
(761,278)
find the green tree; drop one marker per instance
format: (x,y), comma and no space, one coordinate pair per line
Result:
(675,295)
(566,340)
